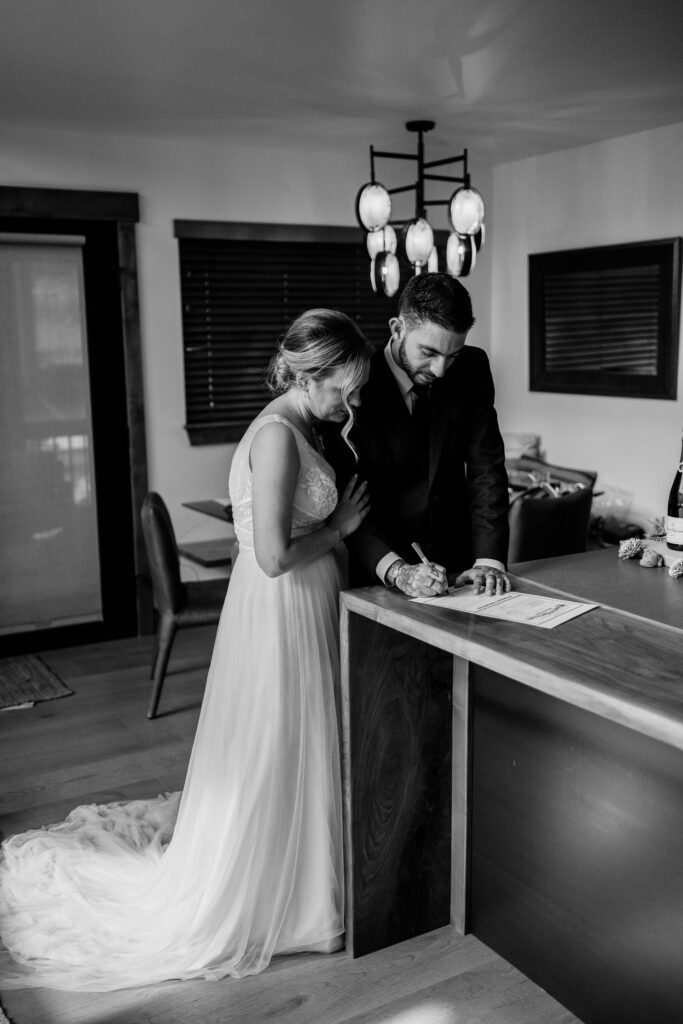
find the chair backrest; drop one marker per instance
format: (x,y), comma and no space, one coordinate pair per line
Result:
(542,526)
(162,554)
(528,464)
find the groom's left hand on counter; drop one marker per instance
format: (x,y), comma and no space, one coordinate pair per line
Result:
(485,579)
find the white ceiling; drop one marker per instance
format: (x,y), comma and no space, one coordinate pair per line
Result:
(506,78)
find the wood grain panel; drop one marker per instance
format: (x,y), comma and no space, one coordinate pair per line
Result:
(398,721)
(135,413)
(577,845)
(461,790)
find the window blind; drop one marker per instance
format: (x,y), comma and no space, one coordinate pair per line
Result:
(603,320)
(239,295)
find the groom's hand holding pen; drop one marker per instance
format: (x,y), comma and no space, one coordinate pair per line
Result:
(429,578)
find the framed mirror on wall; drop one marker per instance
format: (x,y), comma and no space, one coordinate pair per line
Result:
(605,320)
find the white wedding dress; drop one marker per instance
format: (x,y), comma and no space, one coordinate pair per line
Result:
(247,863)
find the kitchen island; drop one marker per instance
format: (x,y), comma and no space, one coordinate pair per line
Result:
(525,784)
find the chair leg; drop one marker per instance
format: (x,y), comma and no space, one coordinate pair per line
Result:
(166,634)
(155,654)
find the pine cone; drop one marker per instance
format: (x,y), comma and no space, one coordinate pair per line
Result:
(630,548)
(676,569)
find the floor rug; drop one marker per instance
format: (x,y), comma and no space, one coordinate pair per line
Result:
(25,680)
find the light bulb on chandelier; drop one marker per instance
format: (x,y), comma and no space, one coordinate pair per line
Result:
(385,274)
(466,211)
(373,206)
(419,241)
(461,254)
(381,240)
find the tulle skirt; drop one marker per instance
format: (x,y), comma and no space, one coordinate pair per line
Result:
(247,863)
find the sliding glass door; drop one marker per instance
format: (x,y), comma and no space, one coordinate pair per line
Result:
(72,433)
(49,548)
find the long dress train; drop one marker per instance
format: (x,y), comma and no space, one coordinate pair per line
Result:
(248,862)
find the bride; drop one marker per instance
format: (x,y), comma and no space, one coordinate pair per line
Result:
(247,863)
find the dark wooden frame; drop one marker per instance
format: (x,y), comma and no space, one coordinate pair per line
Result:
(250,231)
(114,214)
(666,254)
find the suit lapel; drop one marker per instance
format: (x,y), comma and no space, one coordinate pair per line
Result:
(390,411)
(440,408)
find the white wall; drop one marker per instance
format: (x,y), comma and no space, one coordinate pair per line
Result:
(625,190)
(194,180)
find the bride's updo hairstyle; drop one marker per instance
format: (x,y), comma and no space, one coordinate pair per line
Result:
(319,342)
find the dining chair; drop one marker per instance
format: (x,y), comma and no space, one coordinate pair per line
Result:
(532,470)
(178,604)
(541,525)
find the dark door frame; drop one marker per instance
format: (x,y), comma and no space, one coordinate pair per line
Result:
(111,217)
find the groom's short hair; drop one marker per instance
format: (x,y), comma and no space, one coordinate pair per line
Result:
(439,299)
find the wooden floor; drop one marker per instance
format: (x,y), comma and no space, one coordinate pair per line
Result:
(98,746)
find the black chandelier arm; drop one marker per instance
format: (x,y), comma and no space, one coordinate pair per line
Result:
(391,156)
(447,177)
(402,188)
(449,160)
(395,156)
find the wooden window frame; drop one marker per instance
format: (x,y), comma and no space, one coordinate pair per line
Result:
(662,254)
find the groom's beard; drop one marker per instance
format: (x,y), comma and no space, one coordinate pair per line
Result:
(417,375)
(403,360)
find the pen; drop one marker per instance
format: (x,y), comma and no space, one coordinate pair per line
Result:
(420,553)
(423,558)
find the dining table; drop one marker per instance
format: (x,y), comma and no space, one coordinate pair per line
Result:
(215,552)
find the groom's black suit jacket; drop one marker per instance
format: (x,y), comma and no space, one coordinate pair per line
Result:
(453,500)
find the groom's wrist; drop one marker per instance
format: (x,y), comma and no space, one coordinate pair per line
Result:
(392,572)
(385,563)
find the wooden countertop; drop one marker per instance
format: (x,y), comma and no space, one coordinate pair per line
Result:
(622,584)
(611,661)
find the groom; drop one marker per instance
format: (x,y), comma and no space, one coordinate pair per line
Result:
(430,448)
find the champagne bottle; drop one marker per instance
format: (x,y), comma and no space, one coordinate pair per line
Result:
(674,518)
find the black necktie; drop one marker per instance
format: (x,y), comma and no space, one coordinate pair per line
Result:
(421,415)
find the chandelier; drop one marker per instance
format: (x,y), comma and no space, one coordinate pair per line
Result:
(465,213)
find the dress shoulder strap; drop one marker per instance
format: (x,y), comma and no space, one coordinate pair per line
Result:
(274,417)
(270,417)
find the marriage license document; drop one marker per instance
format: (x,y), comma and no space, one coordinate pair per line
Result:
(546,612)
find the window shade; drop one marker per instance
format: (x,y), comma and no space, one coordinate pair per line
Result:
(603,320)
(240,294)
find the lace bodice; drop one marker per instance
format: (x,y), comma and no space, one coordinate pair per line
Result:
(314,499)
